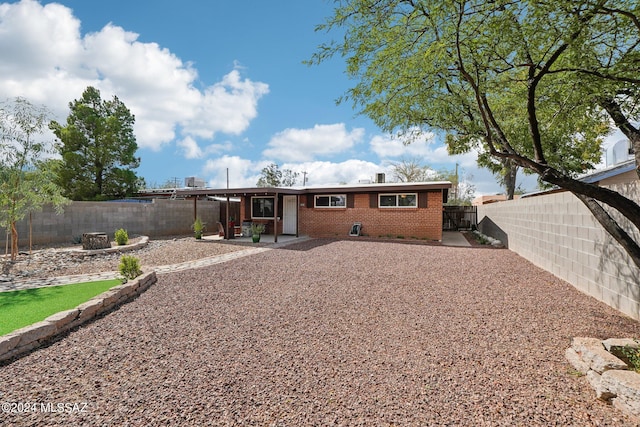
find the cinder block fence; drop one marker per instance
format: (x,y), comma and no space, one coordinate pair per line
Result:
(558,233)
(160,217)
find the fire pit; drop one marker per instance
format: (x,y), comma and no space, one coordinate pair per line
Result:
(95,240)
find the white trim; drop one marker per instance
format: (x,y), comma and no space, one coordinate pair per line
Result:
(398,196)
(263,197)
(315,201)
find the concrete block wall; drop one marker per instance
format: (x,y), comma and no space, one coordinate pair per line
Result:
(423,223)
(559,234)
(161,217)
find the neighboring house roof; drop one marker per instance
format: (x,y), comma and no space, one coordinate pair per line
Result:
(597,177)
(493,198)
(611,171)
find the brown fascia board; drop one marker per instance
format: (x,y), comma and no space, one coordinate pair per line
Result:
(236,192)
(270,191)
(405,187)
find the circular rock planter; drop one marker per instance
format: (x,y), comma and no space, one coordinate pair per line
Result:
(603,364)
(140,243)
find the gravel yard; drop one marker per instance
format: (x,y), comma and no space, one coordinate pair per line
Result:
(58,261)
(330,333)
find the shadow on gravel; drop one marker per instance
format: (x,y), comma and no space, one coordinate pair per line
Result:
(307,245)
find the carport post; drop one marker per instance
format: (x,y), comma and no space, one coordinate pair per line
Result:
(275,220)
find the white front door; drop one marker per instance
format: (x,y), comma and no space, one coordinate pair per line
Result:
(290,215)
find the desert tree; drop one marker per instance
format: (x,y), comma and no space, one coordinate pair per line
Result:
(535,83)
(27,180)
(273,176)
(410,170)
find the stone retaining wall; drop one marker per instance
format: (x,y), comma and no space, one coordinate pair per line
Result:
(601,362)
(25,339)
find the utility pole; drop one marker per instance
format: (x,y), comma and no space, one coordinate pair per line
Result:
(456,184)
(175,181)
(304,178)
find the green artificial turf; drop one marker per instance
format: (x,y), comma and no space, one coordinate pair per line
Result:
(22,308)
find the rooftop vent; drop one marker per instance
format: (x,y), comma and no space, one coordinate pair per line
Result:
(193,182)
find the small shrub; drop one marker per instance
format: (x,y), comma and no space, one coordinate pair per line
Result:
(121,237)
(129,267)
(76,240)
(481,238)
(633,355)
(257,229)
(198,227)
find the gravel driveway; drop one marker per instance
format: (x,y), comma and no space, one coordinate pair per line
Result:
(330,333)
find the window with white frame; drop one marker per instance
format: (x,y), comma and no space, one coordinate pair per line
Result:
(331,201)
(262,207)
(400,200)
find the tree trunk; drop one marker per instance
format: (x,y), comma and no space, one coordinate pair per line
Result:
(14,241)
(510,173)
(627,207)
(612,227)
(590,195)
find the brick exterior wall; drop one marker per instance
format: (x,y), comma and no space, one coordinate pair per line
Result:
(421,223)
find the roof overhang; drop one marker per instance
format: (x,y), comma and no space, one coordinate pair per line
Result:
(405,187)
(611,171)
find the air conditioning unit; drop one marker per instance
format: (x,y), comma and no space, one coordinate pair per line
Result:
(380,178)
(192,181)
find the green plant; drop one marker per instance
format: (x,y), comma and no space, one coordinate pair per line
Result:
(257,229)
(481,238)
(633,356)
(198,227)
(121,237)
(129,267)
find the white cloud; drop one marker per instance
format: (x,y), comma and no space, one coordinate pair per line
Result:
(331,173)
(307,144)
(190,148)
(46,59)
(242,172)
(245,173)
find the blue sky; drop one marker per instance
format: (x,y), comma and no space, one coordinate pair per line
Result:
(213,85)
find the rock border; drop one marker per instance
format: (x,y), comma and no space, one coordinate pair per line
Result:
(23,340)
(601,362)
(493,242)
(144,240)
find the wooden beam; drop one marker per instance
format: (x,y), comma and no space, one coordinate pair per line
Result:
(275,219)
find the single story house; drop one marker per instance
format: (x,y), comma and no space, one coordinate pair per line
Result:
(411,210)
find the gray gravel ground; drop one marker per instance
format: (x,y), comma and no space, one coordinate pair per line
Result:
(330,333)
